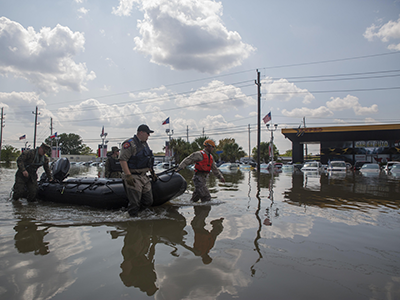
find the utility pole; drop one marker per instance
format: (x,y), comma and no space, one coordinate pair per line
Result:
(258,119)
(51,126)
(1,130)
(36,123)
(249,143)
(187,133)
(304,124)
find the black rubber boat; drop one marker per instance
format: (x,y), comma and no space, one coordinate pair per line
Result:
(103,192)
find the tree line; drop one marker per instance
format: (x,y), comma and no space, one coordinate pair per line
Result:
(226,150)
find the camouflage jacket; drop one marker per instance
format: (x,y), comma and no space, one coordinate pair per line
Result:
(30,161)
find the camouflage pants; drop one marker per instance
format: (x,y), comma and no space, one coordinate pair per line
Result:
(25,187)
(200,188)
(114,175)
(139,195)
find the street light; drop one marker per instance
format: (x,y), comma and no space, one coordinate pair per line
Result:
(271,145)
(169,133)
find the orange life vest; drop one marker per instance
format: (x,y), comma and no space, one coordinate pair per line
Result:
(204,165)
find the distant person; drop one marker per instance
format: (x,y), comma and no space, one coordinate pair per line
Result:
(28,162)
(136,160)
(204,163)
(113,167)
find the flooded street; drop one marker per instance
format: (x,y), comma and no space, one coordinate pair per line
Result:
(293,236)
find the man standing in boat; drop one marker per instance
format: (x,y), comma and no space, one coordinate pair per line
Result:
(136,160)
(26,177)
(204,163)
(113,166)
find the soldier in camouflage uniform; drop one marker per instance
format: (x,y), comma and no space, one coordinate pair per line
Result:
(113,167)
(26,177)
(204,163)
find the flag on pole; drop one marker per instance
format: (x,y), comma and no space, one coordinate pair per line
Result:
(22,137)
(102,131)
(267,118)
(166,121)
(54,135)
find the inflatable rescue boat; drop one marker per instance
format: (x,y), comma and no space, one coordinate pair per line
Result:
(103,192)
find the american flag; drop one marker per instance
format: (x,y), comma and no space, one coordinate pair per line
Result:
(22,137)
(267,118)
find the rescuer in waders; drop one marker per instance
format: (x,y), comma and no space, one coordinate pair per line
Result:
(28,162)
(113,166)
(204,163)
(136,160)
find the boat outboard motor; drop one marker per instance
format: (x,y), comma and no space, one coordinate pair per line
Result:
(60,169)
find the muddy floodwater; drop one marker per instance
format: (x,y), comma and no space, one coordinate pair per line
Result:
(287,236)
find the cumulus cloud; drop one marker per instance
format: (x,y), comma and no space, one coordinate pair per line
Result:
(44,58)
(124,8)
(20,104)
(83,10)
(216,95)
(385,32)
(319,112)
(350,102)
(283,90)
(95,113)
(187,35)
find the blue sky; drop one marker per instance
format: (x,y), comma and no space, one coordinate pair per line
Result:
(118,64)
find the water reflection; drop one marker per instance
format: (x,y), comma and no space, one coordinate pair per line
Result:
(342,190)
(140,240)
(204,240)
(29,238)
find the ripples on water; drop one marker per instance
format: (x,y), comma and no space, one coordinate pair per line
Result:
(293,236)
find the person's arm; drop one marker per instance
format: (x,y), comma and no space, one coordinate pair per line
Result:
(191,159)
(21,164)
(107,168)
(47,168)
(217,172)
(125,168)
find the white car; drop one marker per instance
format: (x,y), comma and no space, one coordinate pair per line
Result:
(389,165)
(370,169)
(337,166)
(312,166)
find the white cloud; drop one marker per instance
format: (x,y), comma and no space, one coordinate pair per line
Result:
(19,106)
(92,112)
(124,8)
(216,95)
(44,58)
(319,112)
(350,102)
(283,90)
(83,10)
(187,35)
(386,32)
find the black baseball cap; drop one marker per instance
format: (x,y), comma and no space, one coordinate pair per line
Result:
(144,128)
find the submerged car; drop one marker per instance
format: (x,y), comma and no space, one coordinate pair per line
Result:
(358,165)
(337,166)
(370,169)
(390,165)
(313,166)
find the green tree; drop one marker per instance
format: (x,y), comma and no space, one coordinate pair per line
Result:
(287,153)
(180,148)
(264,152)
(70,143)
(9,153)
(231,150)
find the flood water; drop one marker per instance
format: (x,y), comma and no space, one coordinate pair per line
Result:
(293,236)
